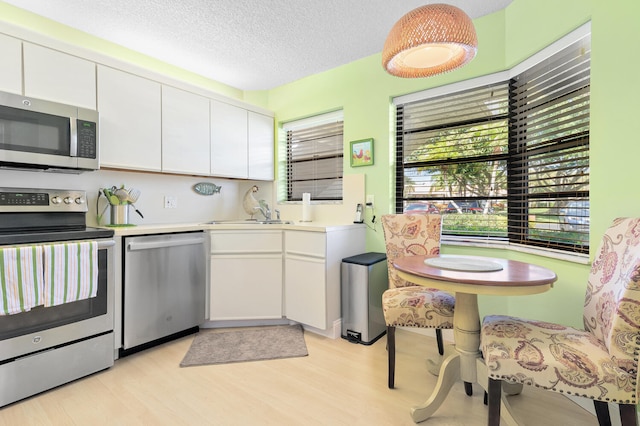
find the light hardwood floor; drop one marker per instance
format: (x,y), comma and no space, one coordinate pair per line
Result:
(339,383)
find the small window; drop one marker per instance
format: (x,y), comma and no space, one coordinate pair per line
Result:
(314,158)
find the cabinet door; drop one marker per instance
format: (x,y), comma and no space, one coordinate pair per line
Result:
(130,121)
(11,69)
(305,278)
(228,140)
(185,132)
(246,275)
(246,287)
(312,273)
(58,77)
(261,146)
(305,291)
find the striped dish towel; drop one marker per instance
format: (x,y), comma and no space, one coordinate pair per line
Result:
(20,279)
(70,272)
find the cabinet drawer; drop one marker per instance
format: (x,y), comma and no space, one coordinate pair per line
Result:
(306,243)
(246,242)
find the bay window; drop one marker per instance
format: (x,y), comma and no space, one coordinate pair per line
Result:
(505,157)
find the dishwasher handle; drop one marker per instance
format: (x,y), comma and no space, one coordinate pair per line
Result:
(133,246)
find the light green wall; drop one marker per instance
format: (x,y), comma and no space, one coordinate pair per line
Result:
(615,108)
(364,90)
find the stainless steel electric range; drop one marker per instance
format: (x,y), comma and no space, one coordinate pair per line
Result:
(48,346)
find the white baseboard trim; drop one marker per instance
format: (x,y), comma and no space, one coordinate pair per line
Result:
(245,323)
(333,332)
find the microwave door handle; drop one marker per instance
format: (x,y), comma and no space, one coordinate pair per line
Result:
(73,143)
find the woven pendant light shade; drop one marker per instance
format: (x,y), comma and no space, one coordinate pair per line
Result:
(429,40)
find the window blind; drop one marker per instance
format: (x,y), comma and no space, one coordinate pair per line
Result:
(506,160)
(452,157)
(549,171)
(315,151)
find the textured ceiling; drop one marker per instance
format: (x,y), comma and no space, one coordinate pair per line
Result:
(246,44)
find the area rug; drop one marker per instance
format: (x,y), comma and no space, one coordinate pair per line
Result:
(243,344)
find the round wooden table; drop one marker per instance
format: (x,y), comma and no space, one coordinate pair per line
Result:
(466,277)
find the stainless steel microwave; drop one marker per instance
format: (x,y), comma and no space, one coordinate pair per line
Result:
(41,135)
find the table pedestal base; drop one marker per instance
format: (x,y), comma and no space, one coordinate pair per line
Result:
(433,367)
(448,375)
(464,362)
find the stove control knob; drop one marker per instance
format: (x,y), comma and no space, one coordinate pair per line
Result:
(79,200)
(56,200)
(68,200)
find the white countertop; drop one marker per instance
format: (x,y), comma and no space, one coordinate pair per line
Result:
(163,228)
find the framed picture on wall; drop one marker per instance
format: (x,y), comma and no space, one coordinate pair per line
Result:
(362,152)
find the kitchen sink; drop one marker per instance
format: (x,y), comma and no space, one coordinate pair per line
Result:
(250,222)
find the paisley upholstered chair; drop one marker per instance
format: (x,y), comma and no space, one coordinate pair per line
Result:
(406,304)
(599,362)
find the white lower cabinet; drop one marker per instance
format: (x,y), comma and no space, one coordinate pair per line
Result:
(249,281)
(312,273)
(246,275)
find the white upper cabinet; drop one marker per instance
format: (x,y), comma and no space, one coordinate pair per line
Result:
(59,77)
(11,69)
(185,132)
(261,147)
(130,121)
(228,140)
(146,124)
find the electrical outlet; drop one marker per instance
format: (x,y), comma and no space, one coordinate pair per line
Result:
(369,202)
(170,202)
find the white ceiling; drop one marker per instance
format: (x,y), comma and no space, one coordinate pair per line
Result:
(246,44)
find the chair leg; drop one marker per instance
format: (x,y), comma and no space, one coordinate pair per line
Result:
(602,412)
(439,340)
(495,394)
(468,388)
(628,416)
(391,349)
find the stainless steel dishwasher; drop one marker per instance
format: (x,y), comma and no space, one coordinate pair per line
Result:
(164,286)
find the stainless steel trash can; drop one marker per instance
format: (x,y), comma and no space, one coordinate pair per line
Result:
(364,279)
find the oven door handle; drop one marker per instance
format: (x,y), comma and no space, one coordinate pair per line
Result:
(133,246)
(106,244)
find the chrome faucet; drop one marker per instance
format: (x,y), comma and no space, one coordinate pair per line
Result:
(264,209)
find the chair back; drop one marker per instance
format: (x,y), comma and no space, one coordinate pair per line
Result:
(409,235)
(612,303)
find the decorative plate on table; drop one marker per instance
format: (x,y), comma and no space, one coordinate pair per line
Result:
(463,263)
